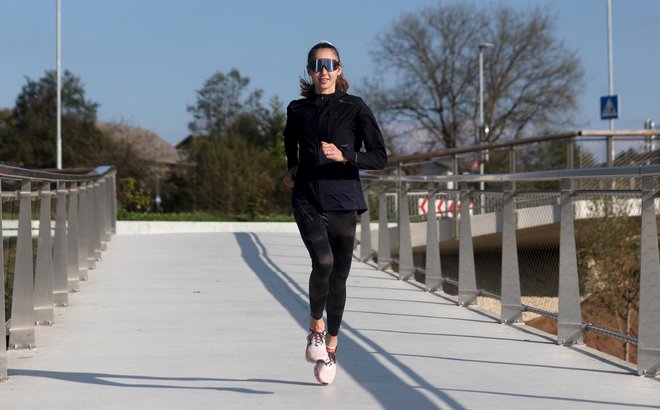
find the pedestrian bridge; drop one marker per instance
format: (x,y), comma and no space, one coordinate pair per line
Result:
(218,320)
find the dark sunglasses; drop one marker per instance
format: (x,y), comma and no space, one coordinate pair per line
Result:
(318,64)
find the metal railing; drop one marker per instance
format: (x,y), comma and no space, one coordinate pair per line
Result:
(74,218)
(501,209)
(569,150)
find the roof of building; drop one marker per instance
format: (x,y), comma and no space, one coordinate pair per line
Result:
(147,144)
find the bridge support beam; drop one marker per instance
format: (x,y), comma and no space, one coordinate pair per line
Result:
(433,278)
(406,266)
(511,296)
(569,327)
(384,247)
(467,279)
(648,354)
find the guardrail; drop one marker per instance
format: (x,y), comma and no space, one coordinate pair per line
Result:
(499,209)
(76,218)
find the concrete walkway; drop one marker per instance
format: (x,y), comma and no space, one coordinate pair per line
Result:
(218,321)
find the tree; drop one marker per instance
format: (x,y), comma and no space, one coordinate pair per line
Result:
(236,156)
(530,78)
(30,135)
(609,261)
(221,105)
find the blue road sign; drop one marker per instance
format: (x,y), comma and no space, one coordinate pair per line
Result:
(609,107)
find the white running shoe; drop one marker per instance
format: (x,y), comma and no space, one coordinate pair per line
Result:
(315,351)
(325,371)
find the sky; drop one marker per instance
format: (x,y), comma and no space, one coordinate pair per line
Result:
(144,60)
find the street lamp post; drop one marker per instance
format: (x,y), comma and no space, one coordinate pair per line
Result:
(58,74)
(610,75)
(482,125)
(481,135)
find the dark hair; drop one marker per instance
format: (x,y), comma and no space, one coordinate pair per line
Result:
(307,86)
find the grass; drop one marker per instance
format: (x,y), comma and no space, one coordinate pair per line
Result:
(199,217)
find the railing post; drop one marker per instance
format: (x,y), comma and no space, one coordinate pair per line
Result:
(467,280)
(366,251)
(98,220)
(83,233)
(511,297)
(406,266)
(648,353)
(21,332)
(113,202)
(96,213)
(433,278)
(91,226)
(60,283)
(101,216)
(73,237)
(569,327)
(3,318)
(43,278)
(384,247)
(512,160)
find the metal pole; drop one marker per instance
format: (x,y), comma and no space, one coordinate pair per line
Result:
(609,53)
(59,85)
(481,119)
(569,321)
(481,92)
(482,125)
(3,329)
(648,362)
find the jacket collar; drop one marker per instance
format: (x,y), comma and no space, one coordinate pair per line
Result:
(329,97)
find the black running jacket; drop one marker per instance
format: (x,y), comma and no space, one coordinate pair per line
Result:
(346,121)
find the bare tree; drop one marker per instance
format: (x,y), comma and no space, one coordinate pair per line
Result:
(427,87)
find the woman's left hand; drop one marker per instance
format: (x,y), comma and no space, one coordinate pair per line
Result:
(331,152)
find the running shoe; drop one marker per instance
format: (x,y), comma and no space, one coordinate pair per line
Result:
(316,351)
(325,371)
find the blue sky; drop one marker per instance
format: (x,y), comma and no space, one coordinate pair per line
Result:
(143,60)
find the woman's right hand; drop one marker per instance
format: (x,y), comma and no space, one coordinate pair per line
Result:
(289,178)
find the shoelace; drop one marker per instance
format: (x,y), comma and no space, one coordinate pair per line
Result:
(332,358)
(317,338)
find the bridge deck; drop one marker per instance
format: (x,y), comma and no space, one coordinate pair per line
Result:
(219,320)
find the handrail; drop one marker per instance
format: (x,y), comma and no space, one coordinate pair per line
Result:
(12,172)
(84,222)
(602,172)
(402,159)
(640,183)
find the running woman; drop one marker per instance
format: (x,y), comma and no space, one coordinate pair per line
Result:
(329,136)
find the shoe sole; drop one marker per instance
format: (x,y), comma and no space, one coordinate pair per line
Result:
(317,376)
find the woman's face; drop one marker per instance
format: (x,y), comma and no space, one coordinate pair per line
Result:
(324,80)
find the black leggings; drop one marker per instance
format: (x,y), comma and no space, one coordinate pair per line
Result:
(329,238)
